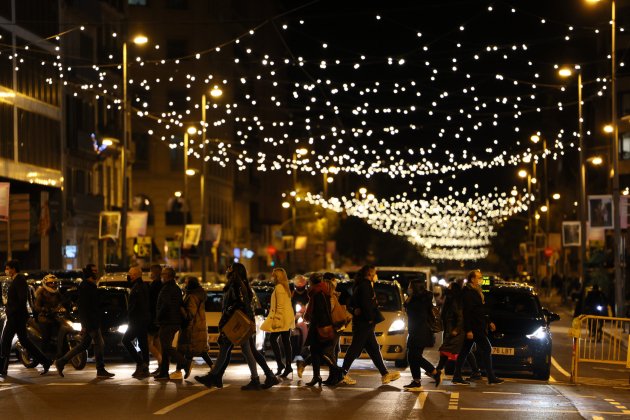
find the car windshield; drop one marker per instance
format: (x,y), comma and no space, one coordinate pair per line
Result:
(214,301)
(387,296)
(264,297)
(521,304)
(402,277)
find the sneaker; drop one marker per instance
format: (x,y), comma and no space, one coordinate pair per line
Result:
(300,368)
(389,377)
(102,373)
(156,372)
(177,375)
(475,376)
(459,381)
(270,380)
(413,385)
(253,385)
(348,380)
(495,381)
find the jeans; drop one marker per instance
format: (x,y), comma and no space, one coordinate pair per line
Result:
(139,331)
(225,350)
(483,344)
(88,337)
(416,359)
(285,336)
(11,328)
(167,333)
(363,338)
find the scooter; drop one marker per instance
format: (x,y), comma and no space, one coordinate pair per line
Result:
(70,333)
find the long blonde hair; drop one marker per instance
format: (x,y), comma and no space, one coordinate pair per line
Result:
(280,277)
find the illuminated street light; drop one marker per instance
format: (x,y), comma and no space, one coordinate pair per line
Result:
(565,72)
(302,151)
(191,172)
(362,190)
(608,128)
(556,196)
(535,138)
(522,173)
(140,40)
(178,194)
(192,130)
(597,160)
(216,92)
(286,204)
(544,208)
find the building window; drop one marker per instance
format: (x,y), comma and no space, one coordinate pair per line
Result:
(177,4)
(624,145)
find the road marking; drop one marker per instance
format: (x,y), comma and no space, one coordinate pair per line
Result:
(617,405)
(555,364)
(454,401)
(539,410)
(552,379)
(598,418)
(185,401)
(422,397)
(7,388)
(504,393)
(67,383)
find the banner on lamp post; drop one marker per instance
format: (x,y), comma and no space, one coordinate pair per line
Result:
(571,234)
(4,201)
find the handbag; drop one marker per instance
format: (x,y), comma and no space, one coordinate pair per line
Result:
(326,333)
(435,321)
(239,328)
(339,314)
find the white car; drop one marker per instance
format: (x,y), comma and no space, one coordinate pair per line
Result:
(391,334)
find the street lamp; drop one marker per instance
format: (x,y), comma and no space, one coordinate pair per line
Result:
(138,40)
(617,251)
(568,72)
(190,131)
(215,92)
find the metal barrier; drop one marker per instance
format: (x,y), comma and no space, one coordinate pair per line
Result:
(599,339)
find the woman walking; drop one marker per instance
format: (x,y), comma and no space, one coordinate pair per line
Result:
(419,305)
(365,316)
(321,337)
(280,322)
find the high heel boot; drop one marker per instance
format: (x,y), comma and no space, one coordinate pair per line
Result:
(317,380)
(287,371)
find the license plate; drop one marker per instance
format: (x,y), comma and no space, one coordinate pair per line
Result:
(503,351)
(346,341)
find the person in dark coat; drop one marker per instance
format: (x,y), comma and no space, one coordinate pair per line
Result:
(48,303)
(453,335)
(16,318)
(476,324)
(365,316)
(193,340)
(139,319)
(419,307)
(90,313)
(318,315)
(169,317)
(154,337)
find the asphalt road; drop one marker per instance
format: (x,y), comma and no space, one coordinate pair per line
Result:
(25,394)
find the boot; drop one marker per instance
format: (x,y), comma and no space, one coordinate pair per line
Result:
(4,366)
(280,368)
(253,385)
(142,371)
(102,373)
(270,380)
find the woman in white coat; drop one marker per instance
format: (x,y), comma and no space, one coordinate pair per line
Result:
(280,322)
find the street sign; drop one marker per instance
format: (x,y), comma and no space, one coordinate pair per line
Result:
(548,252)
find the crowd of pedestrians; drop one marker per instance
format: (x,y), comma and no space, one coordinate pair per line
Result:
(161,309)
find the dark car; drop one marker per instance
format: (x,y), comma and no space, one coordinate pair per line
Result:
(522,340)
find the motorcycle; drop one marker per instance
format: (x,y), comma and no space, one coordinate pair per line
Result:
(69,331)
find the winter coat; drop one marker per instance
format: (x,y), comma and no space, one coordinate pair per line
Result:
(364,305)
(281,316)
(193,340)
(452,320)
(89,303)
(139,310)
(236,295)
(46,303)
(418,311)
(17,296)
(169,305)
(474,311)
(318,313)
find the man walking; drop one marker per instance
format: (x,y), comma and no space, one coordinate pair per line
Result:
(90,313)
(17,315)
(169,318)
(139,319)
(476,325)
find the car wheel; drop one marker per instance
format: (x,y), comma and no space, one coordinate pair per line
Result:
(542,372)
(402,363)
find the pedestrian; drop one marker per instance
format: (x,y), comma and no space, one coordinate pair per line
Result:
(193,339)
(153,336)
(299,300)
(48,303)
(169,318)
(365,316)
(476,324)
(139,314)
(16,318)
(91,314)
(237,295)
(453,335)
(321,332)
(419,307)
(280,321)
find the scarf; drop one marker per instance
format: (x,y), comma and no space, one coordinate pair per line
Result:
(478,290)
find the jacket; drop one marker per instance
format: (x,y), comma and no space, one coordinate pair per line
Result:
(318,312)
(46,303)
(169,305)
(17,296)
(139,310)
(452,320)
(418,310)
(193,340)
(474,311)
(281,316)
(236,295)
(154,291)
(364,305)
(89,303)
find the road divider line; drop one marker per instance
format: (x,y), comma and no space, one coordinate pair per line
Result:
(422,397)
(552,379)
(8,388)
(185,401)
(504,393)
(68,384)
(538,410)
(555,364)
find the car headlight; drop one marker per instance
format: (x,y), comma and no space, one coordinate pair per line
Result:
(539,334)
(123,328)
(298,308)
(76,326)
(397,326)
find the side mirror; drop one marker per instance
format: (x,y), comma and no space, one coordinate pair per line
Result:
(551,316)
